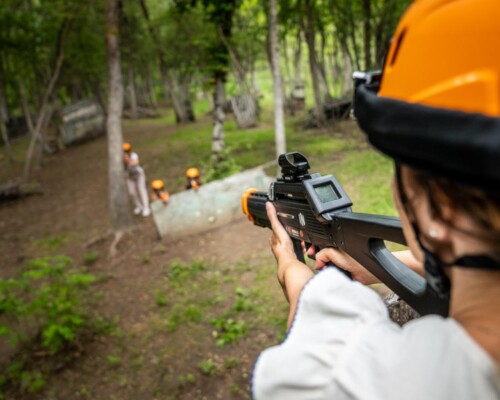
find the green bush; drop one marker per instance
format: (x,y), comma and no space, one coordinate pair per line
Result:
(224,167)
(48,294)
(227,329)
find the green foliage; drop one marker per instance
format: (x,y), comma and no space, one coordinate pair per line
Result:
(51,243)
(179,273)
(243,302)
(49,292)
(228,329)
(224,167)
(113,360)
(32,381)
(187,378)
(161,298)
(207,367)
(230,363)
(90,257)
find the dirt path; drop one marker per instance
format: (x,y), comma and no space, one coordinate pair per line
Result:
(73,211)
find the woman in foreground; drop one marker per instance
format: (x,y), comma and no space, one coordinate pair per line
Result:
(436,113)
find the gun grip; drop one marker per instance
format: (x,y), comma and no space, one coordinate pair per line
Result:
(297,248)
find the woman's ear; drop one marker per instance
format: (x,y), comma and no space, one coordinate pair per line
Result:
(441,203)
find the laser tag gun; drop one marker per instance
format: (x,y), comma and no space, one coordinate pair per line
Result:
(159,192)
(316,210)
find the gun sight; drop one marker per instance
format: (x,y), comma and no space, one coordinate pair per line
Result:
(294,167)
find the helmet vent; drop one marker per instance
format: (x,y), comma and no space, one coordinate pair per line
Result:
(398,45)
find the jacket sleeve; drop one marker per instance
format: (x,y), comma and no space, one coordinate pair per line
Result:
(333,313)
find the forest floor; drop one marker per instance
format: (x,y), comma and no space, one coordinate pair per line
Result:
(183,320)
(142,357)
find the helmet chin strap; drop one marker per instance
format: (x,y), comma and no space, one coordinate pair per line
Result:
(434,266)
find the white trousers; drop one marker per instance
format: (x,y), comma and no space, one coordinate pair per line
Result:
(137,190)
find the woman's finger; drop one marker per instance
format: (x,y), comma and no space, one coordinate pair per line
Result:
(275,222)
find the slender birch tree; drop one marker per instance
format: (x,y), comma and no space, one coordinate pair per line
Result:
(279,119)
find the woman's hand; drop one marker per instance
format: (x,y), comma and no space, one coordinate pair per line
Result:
(359,273)
(343,260)
(280,242)
(292,274)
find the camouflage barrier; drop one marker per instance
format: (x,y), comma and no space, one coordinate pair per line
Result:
(81,121)
(213,205)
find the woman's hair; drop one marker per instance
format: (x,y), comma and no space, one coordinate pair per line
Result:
(482,207)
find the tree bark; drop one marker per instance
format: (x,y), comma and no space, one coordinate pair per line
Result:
(279,119)
(151,89)
(4,116)
(120,213)
(297,56)
(168,81)
(367,34)
(346,55)
(313,63)
(132,95)
(219,116)
(36,132)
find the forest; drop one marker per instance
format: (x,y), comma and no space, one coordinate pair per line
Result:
(92,303)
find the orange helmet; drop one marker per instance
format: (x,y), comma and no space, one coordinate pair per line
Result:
(157,184)
(127,147)
(192,173)
(441,56)
(436,105)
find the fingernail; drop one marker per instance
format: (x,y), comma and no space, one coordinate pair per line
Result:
(268,205)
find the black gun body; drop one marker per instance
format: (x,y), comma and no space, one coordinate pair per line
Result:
(315,209)
(362,236)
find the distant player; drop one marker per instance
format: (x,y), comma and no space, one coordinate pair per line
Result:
(193,179)
(159,192)
(136,181)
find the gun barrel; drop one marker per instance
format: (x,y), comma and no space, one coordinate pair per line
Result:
(253,204)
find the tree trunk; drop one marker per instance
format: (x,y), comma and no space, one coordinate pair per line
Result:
(288,74)
(219,116)
(352,34)
(322,67)
(335,68)
(279,119)
(297,56)
(185,96)
(132,95)
(165,88)
(255,82)
(313,63)
(151,90)
(168,82)
(367,34)
(36,132)
(346,55)
(120,213)
(4,116)
(180,111)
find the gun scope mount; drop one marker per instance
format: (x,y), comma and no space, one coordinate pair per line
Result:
(293,166)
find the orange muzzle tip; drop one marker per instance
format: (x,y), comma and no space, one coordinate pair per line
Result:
(244,202)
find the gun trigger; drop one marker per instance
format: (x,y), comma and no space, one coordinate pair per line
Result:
(313,256)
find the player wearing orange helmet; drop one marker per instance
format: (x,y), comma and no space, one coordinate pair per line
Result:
(136,181)
(193,179)
(159,192)
(435,110)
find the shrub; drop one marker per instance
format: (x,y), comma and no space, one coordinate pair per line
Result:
(224,167)
(227,330)
(49,295)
